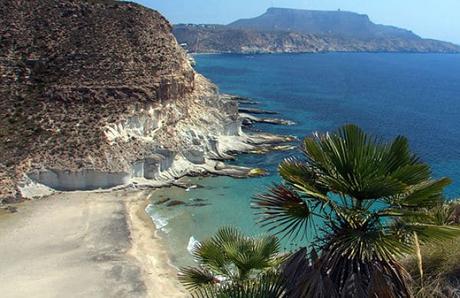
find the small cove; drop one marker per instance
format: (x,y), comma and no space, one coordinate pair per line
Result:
(416,95)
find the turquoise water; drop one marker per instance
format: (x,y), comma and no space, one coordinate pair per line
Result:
(417,95)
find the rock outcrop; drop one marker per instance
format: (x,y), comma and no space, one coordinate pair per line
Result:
(282,30)
(96,94)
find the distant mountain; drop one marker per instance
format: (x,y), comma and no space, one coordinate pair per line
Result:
(333,23)
(294,30)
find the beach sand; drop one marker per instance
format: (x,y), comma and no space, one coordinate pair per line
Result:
(84,244)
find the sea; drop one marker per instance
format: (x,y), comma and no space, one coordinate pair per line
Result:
(415,95)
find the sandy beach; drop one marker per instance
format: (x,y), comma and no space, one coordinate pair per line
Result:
(84,244)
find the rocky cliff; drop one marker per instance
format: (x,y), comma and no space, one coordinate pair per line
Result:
(291,30)
(96,94)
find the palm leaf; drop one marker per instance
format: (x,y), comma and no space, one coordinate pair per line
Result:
(283,211)
(372,196)
(366,244)
(304,178)
(233,256)
(442,214)
(194,278)
(433,233)
(268,285)
(210,255)
(352,163)
(423,195)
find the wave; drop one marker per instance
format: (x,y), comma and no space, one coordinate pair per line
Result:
(159,220)
(192,243)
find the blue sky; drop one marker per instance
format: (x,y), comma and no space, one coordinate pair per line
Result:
(439,19)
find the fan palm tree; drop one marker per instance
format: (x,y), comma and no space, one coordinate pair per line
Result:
(363,200)
(233,265)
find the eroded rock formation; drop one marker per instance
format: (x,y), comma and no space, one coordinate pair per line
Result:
(96,93)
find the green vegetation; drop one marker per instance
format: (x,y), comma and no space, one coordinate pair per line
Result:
(232,264)
(366,203)
(440,274)
(441,270)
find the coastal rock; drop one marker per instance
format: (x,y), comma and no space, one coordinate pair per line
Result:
(98,94)
(161,201)
(248,119)
(197,200)
(257,172)
(198,205)
(174,203)
(256,111)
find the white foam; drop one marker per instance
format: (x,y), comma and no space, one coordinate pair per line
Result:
(160,221)
(191,187)
(192,244)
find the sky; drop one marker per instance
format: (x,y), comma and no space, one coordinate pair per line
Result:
(438,19)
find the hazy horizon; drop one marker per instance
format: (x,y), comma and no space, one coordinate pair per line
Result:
(433,19)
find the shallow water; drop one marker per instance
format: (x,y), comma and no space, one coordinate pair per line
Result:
(416,95)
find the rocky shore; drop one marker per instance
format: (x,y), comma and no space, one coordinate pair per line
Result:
(100,95)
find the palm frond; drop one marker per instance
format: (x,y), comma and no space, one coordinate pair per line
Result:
(283,211)
(443,214)
(433,233)
(304,178)
(210,255)
(227,235)
(194,278)
(372,197)
(353,163)
(268,247)
(304,276)
(268,285)
(235,256)
(338,275)
(366,244)
(425,194)
(403,165)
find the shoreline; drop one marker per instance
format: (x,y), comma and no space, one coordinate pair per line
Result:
(89,244)
(106,233)
(152,254)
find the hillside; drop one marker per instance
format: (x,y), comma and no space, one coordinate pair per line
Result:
(94,94)
(328,23)
(291,30)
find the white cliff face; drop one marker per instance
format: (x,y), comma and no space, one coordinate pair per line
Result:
(80,180)
(143,125)
(157,144)
(173,139)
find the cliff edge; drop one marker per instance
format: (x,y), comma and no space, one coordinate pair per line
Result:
(97,94)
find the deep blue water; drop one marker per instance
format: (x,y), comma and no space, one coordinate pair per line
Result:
(416,95)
